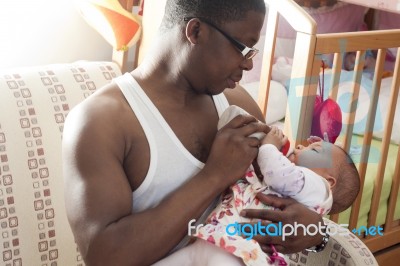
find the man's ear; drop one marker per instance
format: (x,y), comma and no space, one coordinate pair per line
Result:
(193,30)
(331,180)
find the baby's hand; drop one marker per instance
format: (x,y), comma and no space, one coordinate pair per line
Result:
(313,139)
(275,137)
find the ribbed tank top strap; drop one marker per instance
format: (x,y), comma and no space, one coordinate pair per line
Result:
(221,103)
(132,95)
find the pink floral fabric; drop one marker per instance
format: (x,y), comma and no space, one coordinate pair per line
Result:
(240,196)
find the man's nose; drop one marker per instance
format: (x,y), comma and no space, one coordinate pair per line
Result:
(247,64)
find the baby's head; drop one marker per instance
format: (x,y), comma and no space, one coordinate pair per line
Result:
(336,166)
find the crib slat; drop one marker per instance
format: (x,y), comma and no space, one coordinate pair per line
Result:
(336,70)
(369,126)
(334,217)
(394,191)
(127,4)
(268,57)
(396,177)
(303,88)
(358,70)
(385,142)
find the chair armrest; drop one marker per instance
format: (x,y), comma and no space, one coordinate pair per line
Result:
(343,248)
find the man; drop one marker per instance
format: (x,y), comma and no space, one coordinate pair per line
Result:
(143,157)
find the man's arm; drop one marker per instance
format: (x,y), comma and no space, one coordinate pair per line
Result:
(99,197)
(240,97)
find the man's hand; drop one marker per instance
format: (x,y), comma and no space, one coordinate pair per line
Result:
(233,149)
(287,211)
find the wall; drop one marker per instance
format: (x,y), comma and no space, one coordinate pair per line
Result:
(46,31)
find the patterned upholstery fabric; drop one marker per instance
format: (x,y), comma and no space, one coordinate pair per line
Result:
(343,249)
(33,226)
(33,105)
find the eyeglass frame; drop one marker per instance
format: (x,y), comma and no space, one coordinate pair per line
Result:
(247,52)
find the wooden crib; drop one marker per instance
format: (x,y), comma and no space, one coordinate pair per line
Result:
(309,49)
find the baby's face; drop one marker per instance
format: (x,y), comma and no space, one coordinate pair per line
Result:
(318,156)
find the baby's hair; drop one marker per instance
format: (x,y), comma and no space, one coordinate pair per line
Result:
(347,184)
(217,11)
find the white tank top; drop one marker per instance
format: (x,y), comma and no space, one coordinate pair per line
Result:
(171,164)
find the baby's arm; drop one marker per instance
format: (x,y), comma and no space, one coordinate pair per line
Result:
(279,173)
(290,180)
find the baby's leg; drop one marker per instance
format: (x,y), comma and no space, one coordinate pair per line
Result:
(201,253)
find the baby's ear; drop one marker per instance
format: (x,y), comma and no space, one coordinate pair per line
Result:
(331,180)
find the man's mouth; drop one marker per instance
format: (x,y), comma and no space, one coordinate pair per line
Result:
(231,83)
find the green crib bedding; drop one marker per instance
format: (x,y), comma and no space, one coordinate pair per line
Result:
(372,169)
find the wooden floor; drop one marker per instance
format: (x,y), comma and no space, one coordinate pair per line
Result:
(389,256)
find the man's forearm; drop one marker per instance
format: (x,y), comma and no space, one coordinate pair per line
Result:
(143,238)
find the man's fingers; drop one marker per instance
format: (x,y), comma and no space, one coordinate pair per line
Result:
(253,142)
(264,232)
(289,212)
(256,221)
(270,214)
(241,120)
(251,128)
(267,248)
(270,234)
(247,125)
(274,201)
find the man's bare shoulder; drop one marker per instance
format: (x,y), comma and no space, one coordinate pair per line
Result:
(106,104)
(105,112)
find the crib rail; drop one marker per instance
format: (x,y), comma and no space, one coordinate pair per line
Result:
(309,49)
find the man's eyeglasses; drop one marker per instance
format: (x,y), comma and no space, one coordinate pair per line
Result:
(247,52)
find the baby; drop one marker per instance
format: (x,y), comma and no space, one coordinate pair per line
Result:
(321,176)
